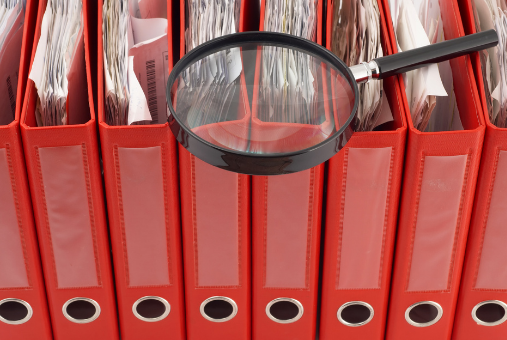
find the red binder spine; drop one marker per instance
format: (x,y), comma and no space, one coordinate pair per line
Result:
(438,189)
(286,239)
(24,312)
(286,244)
(141,180)
(482,304)
(359,242)
(216,244)
(215,215)
(65,183)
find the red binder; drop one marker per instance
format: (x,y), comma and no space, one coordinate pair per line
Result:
(23,307)
(436,203)
(286,217)
(482,304)
(65,182)
(141,181)
(215,209)
(363,191)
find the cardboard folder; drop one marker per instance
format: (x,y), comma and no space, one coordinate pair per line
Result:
(436,203)
(363,191)
(141,182)
(215,216)
(286,219)
(24,312)
(482,304)
(66,186)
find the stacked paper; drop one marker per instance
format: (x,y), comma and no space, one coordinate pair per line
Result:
(12,18)
(135,61)
(491,14)
(356,39)
(288,76)
(206,104)
(59,64)
(430,90)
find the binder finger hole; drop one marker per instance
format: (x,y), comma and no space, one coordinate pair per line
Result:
(151,308)
(355,313)
(490,313)
(219,309)
(284,310)
(423,314)
(15,311)
(81,310)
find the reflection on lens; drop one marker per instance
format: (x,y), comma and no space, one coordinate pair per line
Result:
(257,110)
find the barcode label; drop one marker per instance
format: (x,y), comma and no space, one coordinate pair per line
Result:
(12,98)
(152,90)
(165,56)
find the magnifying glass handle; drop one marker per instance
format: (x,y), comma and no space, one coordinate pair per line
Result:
(402,62)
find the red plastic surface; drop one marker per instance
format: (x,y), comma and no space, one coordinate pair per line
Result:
(141,181)
(142,194)
(363,191)
(287,237)
(216,233)
(64,187)
(484,275)
(12,255)
(440,198)
(37,140)
(417,196)
(491,271)
(367,184)
(19,240)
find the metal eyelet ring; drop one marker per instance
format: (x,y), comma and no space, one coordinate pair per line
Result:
(167,308)
(486,303)
(341,318)
(81,299)
(29,312)
(286,300)
(227,300)
(433,321)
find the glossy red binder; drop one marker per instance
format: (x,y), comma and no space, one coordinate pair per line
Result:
(141,180)
(24,313)
(65,182)
(286,218)
(436,204)
(482,303)
(363,190)
(215,216)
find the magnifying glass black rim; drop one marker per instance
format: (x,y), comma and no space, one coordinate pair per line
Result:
(252,163)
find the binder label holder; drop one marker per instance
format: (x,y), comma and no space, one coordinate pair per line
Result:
(24,312)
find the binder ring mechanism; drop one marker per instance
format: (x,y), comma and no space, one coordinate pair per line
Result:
(219,309)
(424,313)
(81,310)
(213,115)
(284,310)
(490,313)
(151,308)
(355,313)
(15,311)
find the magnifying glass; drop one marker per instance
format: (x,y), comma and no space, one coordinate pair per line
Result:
(264,103)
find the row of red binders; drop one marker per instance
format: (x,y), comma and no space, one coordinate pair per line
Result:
(390,239)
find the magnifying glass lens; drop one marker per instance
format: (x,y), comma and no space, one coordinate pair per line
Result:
(263,98)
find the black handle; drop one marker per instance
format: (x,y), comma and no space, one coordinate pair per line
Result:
(419,57)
